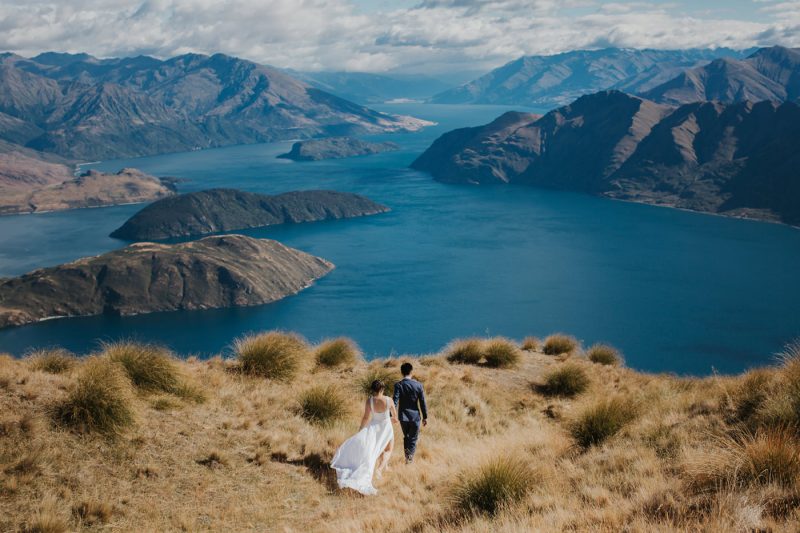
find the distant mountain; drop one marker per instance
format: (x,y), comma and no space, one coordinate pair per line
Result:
(86,108)
(769,74)
(366,88)
(735,159)
(548,81)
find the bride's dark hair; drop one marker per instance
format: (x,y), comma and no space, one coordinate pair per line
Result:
(377,386)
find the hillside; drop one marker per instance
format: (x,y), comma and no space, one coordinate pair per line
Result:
(550,81)
(225,271)
(217,210)
(86,108)
(768,74)
(551,443)
(735,159)
(90,189)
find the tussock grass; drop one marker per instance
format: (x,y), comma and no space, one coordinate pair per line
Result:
(764,457)
(322,405)
(501,353)
(558,344)
(338,352)
(604,354)
(52,361)
(602,420)
(93,512)
(150,367)
(530,344)
(388,376)
(568,380)
(274,355)
(465,351)
(100,400)
(494,485)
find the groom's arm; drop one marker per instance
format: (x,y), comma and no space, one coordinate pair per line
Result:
(396,395)
(422,406)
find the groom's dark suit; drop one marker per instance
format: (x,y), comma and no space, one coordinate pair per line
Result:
(409,399)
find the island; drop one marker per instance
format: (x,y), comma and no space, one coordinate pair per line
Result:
(214,272)
(90,189)
(217,210)
(335,148)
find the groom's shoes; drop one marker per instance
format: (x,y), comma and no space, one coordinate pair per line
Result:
(409,460)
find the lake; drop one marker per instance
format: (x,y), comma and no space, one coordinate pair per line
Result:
(675,291)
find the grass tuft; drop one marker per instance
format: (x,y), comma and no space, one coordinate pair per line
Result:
(568,380)
(52,361)
(558,344)
(322,405)
(338,352)
(373,372)
(530,344)
(150,367)
(494,485)
(465,351)
(100,401)
(93,512)
(273,355)
(603,420)
(501,353)
(604,354)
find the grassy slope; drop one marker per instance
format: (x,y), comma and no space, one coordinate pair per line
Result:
(245,460)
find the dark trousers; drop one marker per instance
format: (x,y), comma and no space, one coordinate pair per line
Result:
(410,434)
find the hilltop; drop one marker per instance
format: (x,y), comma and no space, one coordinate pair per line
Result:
(518,440)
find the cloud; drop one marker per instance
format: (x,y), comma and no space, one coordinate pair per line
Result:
(430,35)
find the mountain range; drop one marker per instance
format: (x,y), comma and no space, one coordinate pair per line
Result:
(85,108)
(370,88)
(555,80)
(768,74)
(738,159)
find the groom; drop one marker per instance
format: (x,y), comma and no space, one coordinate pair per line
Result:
(409,399)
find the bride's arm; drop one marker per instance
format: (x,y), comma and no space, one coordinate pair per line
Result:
(392,410)
(365,418)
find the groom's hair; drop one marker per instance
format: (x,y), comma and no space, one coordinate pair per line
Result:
(406,369)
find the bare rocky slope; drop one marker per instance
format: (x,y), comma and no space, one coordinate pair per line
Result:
(224,271)
(735,159)
(217,210)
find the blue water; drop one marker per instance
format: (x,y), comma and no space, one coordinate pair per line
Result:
(676,291)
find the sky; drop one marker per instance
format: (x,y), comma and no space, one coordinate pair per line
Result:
(412,36)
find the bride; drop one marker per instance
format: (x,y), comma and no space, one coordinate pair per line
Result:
(367,451)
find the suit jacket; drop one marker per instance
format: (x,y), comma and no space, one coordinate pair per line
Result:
(409,399)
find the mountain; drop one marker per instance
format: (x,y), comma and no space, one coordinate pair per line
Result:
(335,148)
(768,74)
(367,88)
(91,189)
(218,210)
(735,159)
(225,271)
(548,81)
(82,107)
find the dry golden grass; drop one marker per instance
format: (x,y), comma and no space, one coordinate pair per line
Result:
(274,354)
(604,354)
(53,361)
(699,454)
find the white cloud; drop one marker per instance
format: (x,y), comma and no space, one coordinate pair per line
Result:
(433,35)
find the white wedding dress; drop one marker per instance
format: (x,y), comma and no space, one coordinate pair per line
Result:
(355,460)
